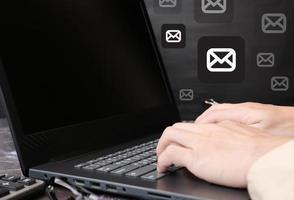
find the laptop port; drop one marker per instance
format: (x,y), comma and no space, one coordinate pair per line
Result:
(111,187)
(80,182)
(95,185)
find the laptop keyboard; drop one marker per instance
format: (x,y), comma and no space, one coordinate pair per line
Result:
(139,161)
(17,187)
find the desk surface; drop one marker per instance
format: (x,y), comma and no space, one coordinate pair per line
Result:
(9,162)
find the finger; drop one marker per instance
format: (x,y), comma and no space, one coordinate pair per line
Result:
(174,155)
(237,115)
(199,129)
(213,108)
(226,106)
(177,136)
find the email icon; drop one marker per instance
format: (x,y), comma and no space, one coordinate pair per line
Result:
(173,36)
(280,83)
(214,6)
(273,23)
(186,95)
(221,60)
(265,60)
(167,3)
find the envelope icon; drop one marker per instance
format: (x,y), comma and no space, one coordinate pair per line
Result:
(186,95)
(280,83)
(274,23)
(167,3)
(221,60)
(265,60)
(214,6)
(173,36)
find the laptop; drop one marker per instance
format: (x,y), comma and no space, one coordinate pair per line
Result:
(87,98)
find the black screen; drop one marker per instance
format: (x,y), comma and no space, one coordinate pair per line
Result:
(71,61)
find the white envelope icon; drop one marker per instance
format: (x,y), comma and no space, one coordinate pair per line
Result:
(274,23)
(167,3)
(214,6)
(221,60)
(173,36)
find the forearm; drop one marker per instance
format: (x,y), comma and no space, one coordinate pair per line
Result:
(272,176)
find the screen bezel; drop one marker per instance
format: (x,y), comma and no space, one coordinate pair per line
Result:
(42,147)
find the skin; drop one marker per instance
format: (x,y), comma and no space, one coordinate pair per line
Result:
(277,120)
(220,153)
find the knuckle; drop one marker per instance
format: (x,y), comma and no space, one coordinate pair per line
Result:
(177,125)
(167,131)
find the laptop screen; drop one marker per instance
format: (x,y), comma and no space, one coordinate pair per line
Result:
(69,62)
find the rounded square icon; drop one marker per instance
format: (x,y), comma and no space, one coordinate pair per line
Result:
(167,6)
(221,59)
(274,23)
(214,6)
(214,11)
(167,3)
(173,35)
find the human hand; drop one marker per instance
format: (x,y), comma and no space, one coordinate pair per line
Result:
(277,120)
(219,153)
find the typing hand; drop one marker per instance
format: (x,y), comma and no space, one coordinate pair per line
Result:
(274,119)
(220,153)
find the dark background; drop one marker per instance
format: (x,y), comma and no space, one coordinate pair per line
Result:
(245,22)
(1,111)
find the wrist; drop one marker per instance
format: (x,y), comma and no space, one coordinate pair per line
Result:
(287,121)
(268,146)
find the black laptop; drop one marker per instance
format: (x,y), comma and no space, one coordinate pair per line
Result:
(87,97)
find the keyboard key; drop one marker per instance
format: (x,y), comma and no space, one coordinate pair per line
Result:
(11,186)
(141,171)
(78,166)
(81,165)
(152,176)
(91,167)
(90,162)
(26,181)
(108,168)
(124,161)
(3,192)
(10,178)
(124,169)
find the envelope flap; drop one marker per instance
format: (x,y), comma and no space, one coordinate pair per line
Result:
(173,33)
(221,54)
(280,81)
(266,57)
(275,19)
(215,3)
